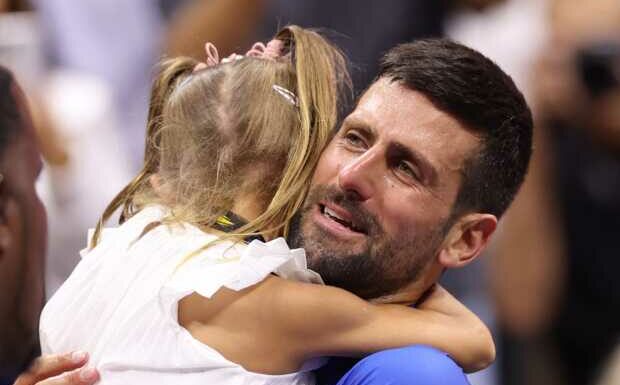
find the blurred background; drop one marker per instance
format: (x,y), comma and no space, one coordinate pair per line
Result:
(548,286)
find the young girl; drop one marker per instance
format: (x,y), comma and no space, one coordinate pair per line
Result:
(178,294)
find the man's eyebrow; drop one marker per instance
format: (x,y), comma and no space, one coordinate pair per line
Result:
(361,125)
(428,170)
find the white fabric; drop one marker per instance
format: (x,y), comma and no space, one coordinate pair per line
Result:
(120,303)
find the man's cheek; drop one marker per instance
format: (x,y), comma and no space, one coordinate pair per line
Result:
(321,175)
(327,167)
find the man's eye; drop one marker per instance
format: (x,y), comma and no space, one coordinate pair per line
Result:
(406,169)
(354,139)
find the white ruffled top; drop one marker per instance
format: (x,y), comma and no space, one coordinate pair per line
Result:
(120,303)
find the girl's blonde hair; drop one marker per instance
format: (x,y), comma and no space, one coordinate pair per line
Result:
(221,132)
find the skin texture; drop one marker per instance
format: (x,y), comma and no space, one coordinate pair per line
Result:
(408,197)
(23,237)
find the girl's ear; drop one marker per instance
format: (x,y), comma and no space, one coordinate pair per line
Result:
(467,239)
(155,181)
(162,189)
(157,184)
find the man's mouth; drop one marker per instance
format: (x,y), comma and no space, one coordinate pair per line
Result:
(340,218)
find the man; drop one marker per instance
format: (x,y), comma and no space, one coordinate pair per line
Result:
(23,234)
(413,183)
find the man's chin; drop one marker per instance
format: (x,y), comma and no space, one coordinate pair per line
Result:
(317,256)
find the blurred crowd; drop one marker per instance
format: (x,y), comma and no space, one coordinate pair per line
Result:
(548,287)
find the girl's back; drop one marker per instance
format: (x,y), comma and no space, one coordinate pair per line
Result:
(120,304)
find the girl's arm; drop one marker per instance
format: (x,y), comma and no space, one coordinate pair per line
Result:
(323,320)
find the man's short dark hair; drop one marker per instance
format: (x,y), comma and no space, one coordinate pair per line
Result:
(10,118)
(475,91)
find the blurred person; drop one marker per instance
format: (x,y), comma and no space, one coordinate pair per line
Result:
(183,201)
(22,248)
(558,293)
(22,232)
(76,120)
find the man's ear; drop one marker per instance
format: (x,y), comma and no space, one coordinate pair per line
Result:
(466,239)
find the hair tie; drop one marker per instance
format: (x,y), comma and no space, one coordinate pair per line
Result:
(257,50)
(213,57)
(272,50)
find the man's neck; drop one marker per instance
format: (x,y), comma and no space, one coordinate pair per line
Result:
(413,292)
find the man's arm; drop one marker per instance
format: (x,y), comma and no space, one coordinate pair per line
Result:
(65,369)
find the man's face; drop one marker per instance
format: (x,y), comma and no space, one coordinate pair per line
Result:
(382,192)
(24,225)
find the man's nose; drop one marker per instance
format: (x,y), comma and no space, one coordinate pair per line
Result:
(357,177)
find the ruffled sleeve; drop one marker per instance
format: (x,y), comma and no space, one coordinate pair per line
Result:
(238,267)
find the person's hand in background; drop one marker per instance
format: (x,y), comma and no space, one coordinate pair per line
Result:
(65,369)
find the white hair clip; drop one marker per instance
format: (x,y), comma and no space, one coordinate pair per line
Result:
(286,94)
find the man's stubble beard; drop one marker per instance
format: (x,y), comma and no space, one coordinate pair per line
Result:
(383,266)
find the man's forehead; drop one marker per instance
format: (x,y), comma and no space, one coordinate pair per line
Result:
(394,113)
